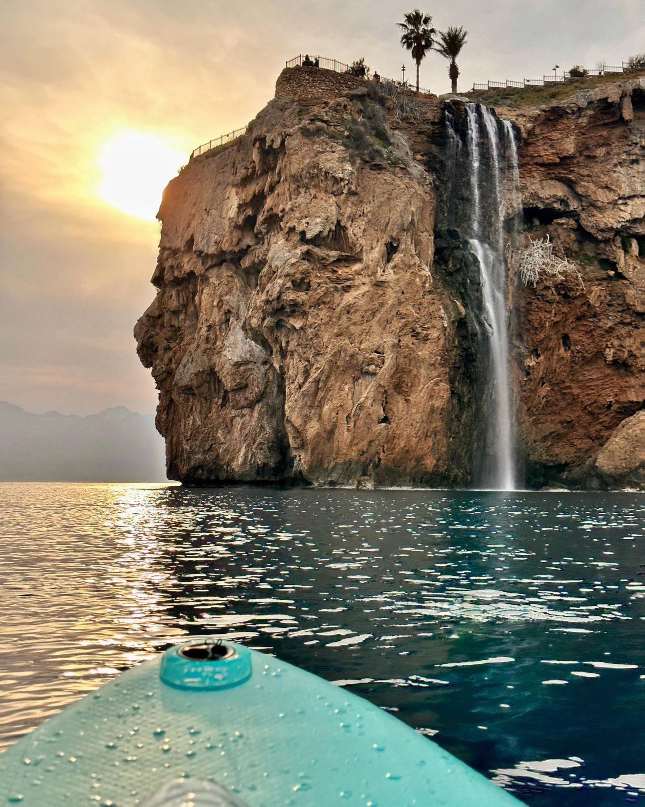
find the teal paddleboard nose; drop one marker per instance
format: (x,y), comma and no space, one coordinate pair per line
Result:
(205,664)
(185,730)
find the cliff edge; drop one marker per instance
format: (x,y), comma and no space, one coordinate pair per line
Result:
(311,323)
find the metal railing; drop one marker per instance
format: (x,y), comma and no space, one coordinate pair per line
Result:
(217,141)
(325,63)
(322,62)
(553,78)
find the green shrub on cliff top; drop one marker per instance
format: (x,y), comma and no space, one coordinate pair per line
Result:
(368,135)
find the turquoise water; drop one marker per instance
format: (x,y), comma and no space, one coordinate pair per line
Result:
(506,626)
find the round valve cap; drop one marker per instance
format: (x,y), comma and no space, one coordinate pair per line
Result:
(205,664)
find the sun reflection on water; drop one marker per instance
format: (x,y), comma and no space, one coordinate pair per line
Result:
(481,619)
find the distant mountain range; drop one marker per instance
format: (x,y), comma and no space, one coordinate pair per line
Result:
(116,445)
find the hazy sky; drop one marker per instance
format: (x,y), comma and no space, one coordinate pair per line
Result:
(76,74)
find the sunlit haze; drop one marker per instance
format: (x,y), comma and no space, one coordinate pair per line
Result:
(135,168)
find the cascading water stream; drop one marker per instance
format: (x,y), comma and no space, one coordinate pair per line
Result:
(491,164)
(473,151)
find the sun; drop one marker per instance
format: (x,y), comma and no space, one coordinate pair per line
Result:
(135,168)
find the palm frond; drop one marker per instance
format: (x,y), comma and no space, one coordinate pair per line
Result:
(451,42)
(418,35)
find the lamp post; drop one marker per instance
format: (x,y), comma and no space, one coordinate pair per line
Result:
(403,72)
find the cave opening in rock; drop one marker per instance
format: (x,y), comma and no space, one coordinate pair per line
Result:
(391,248)
(543,216)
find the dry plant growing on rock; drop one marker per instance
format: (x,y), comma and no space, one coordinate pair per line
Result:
(539,260)
(404,105)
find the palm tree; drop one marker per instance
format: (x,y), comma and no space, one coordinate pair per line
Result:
(417,35)
(450,45)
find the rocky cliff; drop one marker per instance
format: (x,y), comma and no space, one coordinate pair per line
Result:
(314,323)
(579,342)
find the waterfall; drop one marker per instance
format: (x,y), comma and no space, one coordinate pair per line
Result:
(473,151)
(490,160)
(510,145)
(454,153)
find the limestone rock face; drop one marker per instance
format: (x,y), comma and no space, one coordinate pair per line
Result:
(298,331)
(309,325)
(621,461)
(582,159)
(579,341)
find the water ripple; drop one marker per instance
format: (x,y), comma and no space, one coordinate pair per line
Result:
(484,620)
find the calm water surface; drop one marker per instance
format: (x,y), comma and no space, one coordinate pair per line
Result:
(509,627)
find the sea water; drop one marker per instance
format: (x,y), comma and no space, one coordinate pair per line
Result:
(506,626)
